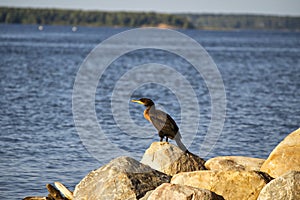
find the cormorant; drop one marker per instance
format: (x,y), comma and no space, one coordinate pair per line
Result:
(165,125)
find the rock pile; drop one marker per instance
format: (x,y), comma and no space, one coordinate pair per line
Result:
(229,184)
(165,172)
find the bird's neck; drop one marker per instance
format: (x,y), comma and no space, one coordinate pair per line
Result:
(147,112)
(150,108)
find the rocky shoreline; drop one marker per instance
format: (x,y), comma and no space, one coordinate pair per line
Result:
(165,172)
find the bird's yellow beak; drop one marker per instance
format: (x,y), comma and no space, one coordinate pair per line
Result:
(137,101)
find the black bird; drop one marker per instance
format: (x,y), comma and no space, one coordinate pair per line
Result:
(165,125)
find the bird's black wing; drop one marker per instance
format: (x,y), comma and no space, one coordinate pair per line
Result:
(164,123)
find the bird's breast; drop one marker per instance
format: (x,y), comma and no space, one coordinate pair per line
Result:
(146,115)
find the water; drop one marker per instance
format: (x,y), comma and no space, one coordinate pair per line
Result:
(38,140)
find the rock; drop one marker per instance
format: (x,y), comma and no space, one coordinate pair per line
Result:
(147,195)
(284,187)
(234,163)
(285,157)
(169,159)
(233,185)
(168,191)
(122,178)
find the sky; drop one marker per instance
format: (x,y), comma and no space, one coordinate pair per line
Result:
(267,7)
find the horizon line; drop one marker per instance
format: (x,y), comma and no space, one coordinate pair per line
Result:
(159,12)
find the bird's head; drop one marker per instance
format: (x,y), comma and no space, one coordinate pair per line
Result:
(144,101)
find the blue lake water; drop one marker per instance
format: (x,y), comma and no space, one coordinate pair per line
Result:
(39,143)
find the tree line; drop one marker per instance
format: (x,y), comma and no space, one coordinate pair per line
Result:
(139,19)
(218,21)
(90,18)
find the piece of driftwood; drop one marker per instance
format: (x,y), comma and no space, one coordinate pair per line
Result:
(61,193)
(36,198)
(63,190)
(54,193)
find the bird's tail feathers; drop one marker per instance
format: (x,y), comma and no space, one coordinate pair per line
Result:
(180,144)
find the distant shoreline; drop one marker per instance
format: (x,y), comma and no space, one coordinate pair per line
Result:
(147,19)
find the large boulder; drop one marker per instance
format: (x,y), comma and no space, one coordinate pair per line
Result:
(122,178)
(284,187)
(168,191)
(233,185)
(170,159)
(234,163)
(285,157)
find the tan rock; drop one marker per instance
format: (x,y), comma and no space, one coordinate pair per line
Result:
(285,157)
(284,187)
(122,178)
(232,185)
(169,159)
(147,195)
(169,191)
(234,163)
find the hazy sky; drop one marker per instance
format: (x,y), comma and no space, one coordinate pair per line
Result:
(277,7)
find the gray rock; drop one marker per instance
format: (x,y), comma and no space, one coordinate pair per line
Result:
(122,178)
(170,159)
(168,191)
(284,187)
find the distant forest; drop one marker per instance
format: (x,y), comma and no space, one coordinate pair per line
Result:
(90,18)
(140,19)
(209,21)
